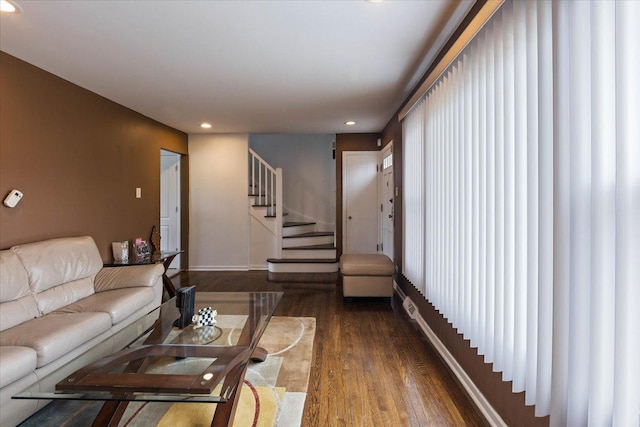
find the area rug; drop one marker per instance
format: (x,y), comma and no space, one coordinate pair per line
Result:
(272,395)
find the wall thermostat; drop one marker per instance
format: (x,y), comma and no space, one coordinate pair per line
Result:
(13,198)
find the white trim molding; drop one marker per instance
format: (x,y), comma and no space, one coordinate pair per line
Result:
(488,411)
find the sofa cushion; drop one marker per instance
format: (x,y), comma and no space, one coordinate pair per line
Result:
(14,282)
(125,277)
(14,313)
(119,303)
(17,305)
(63,295)
(53,262)
(15,363)
(55,334)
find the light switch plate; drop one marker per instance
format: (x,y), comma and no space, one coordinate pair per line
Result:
(138,193)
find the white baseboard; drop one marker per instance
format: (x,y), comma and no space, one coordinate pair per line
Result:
(490,414)
(218,268)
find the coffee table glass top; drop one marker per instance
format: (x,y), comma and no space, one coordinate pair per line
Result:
(204,364)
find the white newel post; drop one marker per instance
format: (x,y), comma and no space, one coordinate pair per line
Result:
(279,201)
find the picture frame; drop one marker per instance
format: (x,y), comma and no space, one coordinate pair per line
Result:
(141,248)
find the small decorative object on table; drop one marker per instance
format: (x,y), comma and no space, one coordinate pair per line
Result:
(185,301)
(155,240)
(120,251)
(205,317)
(142,248)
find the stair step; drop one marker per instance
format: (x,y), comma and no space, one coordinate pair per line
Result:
(262,205)
(317,247)
(310,234)
(301,260)
(273,216)
(327,250)
(308,239)
(297,224)
(295,228)
(302,265)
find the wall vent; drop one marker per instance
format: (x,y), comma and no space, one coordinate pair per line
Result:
(410,308)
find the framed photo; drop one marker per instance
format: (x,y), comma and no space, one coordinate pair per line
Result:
(120,251)
(142,248)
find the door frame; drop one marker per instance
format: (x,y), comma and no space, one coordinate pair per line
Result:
(345,192)
(387,149)
(177,262)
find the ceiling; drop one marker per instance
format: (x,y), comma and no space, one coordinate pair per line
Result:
(244,66)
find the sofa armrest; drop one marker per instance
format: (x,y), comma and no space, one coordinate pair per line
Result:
(128,277)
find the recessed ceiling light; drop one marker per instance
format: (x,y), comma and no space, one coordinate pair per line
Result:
(205,125)
(9,7)
(349,123)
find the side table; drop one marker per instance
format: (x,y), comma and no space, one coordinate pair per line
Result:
(165,257)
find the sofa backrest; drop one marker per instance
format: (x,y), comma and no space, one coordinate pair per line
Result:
(60,271)
(17,304)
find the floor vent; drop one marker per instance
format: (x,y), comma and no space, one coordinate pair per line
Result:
(410,308)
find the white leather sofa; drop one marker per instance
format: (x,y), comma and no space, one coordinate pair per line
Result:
(60,310)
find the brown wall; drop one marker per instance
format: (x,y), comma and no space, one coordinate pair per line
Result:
(78,158)
(349,142)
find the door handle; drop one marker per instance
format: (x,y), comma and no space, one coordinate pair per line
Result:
(390,216)
(349,216)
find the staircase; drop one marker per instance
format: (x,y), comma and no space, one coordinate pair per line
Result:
(298,247)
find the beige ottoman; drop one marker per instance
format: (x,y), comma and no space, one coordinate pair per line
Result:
(367,275)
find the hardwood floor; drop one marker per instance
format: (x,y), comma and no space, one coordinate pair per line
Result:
(371,365)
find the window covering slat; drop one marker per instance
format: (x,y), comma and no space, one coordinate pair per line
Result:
(627,291)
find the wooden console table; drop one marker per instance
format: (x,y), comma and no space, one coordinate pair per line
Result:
(164,257)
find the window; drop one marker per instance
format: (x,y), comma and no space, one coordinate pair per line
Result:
(522,204)
(387,162)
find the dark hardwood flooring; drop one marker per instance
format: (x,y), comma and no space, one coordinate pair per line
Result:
(371,364)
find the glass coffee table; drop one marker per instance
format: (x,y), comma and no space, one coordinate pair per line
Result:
(168,364)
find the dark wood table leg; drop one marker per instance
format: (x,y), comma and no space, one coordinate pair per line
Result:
(259,354)
(225,412)
(166,281)
(110,414)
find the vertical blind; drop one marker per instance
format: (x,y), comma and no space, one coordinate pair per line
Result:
(522,204)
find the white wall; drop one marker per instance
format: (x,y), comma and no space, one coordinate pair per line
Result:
(219,220)
(309,175)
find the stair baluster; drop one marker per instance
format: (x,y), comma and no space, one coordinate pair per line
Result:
(267,187)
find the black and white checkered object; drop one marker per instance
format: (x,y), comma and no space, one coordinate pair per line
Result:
(206,334)
(206,317)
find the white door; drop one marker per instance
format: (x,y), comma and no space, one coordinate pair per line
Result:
(386,200)
(359,202)
(170,204)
